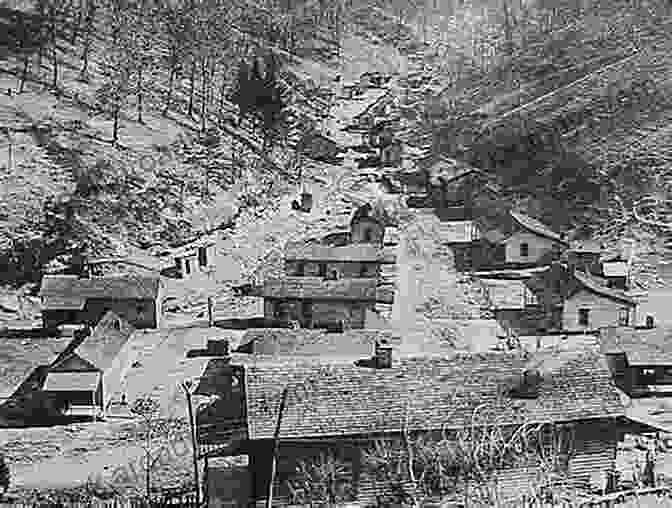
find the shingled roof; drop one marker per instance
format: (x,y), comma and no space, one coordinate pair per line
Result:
(536,227)
(70,291)
(356,252)
(319,288)
(281,341)
(585,281)
(337,399)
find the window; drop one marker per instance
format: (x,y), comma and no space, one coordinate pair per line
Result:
(323,270)
(202,256)
(584,317)
(623,317)
(668,372)
(187,266)
(364,270)
(524,250)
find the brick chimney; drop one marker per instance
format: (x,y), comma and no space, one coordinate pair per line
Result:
(383,355)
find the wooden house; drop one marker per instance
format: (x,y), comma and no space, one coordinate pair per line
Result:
(615,271)
(319,147)
(359,260)
(195,258)
(591,305)
(516,308)
(315,302)
(90,371)
(640,359)
(343,407)
(351,90)
(531,242)
(365,227)
(69,299)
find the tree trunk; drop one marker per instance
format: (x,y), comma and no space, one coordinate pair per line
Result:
(24,74)
(204,91)
(85,57)
(192,82)
(171,79)
(139,94)
(77,24)
(115,127)
(54,48)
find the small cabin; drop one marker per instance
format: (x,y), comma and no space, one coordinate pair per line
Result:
(194,259)
(590,305)
(391,154)
(532,242)
(316,302)
(640,359)
(365,228)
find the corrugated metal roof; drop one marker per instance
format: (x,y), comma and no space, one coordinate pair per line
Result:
(71,381)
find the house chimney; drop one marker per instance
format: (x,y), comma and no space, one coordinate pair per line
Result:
(218,347)
(383,355)
(526,386)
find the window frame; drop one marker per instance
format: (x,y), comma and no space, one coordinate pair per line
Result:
(584,317)
(624,317)
(524,250)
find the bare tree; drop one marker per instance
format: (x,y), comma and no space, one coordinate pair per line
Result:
(321,481)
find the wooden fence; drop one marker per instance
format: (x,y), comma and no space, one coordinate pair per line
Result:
(181,500)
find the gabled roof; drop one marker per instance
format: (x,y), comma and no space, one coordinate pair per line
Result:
(101,348)
(536,227)
(356,252)
(337,399)
(588,282)
(71,382)
(73,291)
(641,347)
(319,288)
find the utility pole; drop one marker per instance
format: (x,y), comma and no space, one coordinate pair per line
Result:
(187,387)
(276,445)
(210,320)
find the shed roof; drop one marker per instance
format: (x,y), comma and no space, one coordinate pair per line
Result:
(101,348)
(536,227)
(73,291)
(356,252)
(319,288)
(588,282)
(461,231)
(641,347)
(338,399)
(71,381)
(615,269)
